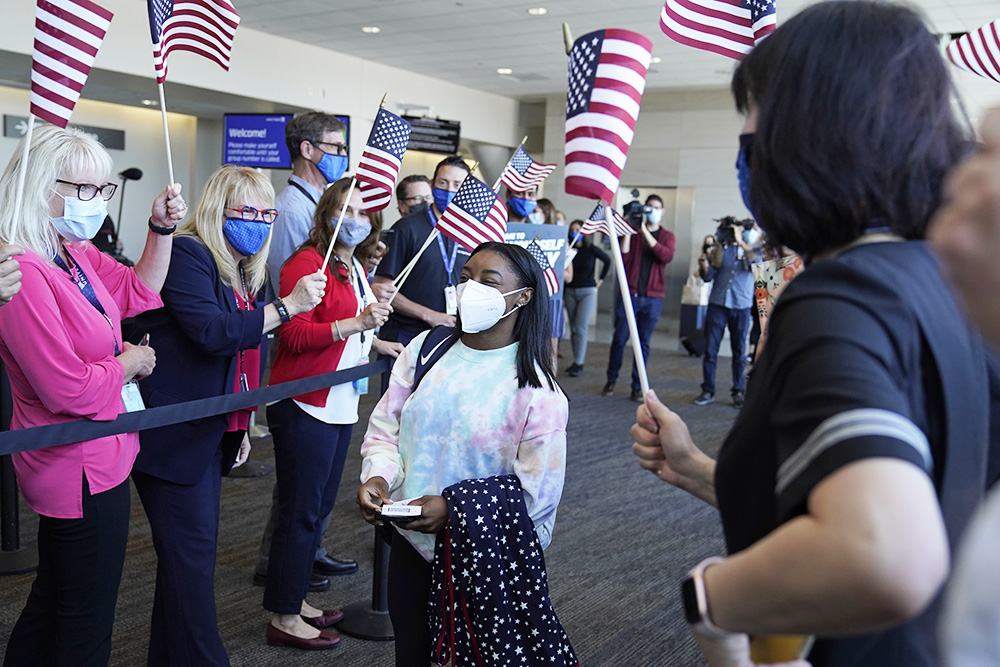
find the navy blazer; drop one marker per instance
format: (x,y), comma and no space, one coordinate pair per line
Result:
(197,336)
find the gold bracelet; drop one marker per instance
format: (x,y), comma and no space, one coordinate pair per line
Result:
(337,325)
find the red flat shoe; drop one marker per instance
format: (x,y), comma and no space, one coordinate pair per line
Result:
(329,617)
(277,637)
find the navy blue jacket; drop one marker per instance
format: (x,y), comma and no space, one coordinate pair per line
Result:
(197,336)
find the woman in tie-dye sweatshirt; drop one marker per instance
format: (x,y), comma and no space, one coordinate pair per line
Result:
(489,406)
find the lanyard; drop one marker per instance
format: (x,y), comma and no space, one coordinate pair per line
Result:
(246,299)
(302,190)
(361,293)
(81,280)
(449,265)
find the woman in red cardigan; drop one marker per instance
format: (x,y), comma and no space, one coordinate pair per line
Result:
(313,431)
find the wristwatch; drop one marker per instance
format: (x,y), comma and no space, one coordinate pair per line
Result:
(695,600)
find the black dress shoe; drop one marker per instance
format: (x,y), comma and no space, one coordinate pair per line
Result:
(574,370)
(636,396)
(328,566)
(609,389)
(317,582)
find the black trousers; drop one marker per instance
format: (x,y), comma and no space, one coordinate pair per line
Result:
(70,612)
(309,460)
(409,591)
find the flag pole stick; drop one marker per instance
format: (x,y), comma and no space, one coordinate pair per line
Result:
(166,133)
(381,105)
(633,329)
(567,38)
(336,230)
(496,186)
(23,168)
(408,269)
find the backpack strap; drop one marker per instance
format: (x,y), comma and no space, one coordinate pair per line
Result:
(438,341)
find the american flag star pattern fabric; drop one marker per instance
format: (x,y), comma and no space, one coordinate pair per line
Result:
(490,600)
(551,279)
(597,223)
(522,173)
(727,27)
(382,159)
(978,51)
(68,34)
(476,215)
(607,74)
(205,27)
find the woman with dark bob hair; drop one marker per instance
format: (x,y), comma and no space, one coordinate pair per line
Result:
(861,450)
(489,406)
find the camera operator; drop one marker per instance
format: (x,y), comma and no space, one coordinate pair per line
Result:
(729,303)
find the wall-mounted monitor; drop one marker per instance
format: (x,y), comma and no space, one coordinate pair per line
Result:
(258,140)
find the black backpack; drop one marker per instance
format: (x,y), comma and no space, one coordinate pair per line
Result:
(438,341)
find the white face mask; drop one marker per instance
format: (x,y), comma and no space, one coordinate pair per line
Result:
(81,220)
(481,306)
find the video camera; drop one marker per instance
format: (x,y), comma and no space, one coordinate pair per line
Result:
(632,211)
(726,232)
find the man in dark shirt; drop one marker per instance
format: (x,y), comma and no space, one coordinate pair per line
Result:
(413,194)
(645,260)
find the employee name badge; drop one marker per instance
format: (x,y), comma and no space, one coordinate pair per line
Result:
(361,384)
(450,300)
(131,397)
(244,385)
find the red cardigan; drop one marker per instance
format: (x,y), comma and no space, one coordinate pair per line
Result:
(663,252)
(306,345)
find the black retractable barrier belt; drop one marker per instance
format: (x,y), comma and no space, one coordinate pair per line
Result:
(78,431)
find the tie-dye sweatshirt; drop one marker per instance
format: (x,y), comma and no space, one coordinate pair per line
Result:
(468,420)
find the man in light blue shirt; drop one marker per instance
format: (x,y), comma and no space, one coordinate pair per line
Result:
(728,304)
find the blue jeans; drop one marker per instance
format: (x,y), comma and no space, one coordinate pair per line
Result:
(716,320)
(580,302)
(647,314)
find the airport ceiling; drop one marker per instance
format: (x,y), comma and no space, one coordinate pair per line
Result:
(466,41)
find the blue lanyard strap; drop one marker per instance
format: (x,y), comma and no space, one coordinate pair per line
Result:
(361,293)
(80,278)
(449,264)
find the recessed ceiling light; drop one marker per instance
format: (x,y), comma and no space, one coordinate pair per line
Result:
(504,70)
(150,103)
(538,11)
(656,60)
(371,29)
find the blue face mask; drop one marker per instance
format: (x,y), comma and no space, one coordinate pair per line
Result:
(332,166)
(442,198)
(81,220)
(521,207)
(353,231)
(743,170)
(247,238)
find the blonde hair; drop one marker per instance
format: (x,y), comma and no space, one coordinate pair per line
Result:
(54,153)
(227,186)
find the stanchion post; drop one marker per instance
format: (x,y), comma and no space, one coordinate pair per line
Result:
(13,558)
(370,619)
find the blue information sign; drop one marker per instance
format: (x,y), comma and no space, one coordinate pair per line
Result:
(256,140)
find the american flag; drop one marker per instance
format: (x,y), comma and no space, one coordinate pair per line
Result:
(68,34)
(597,223)
(978,51)
(205,27)
(551,279)
(522,173)
(727,27)
(381,160)
(607,74)
(476,215)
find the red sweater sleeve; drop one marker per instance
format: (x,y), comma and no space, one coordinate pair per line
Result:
(308,331)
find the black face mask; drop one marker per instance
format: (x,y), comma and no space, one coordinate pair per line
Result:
(418,208)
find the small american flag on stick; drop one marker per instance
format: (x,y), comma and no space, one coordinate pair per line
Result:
(597,223)
(551,279)
(381,160)
(522,173)
(607,74)
(978,51)
(205,27)
(68,34)
(476,215)
(727,27)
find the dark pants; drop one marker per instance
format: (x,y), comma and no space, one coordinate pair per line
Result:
(309,461)
(70,611)
(716,320)
(409,591)
(184,519)
(647,314)
(393,334)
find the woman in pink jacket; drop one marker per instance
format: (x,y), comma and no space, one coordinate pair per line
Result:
(61,342)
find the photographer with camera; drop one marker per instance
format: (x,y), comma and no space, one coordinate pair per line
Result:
(645,260)
(730,301)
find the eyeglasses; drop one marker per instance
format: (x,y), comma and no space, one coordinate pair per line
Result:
(87,191)
(341,149)
(418,199)
(250,214)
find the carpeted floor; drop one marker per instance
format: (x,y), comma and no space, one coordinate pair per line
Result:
(622,541)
